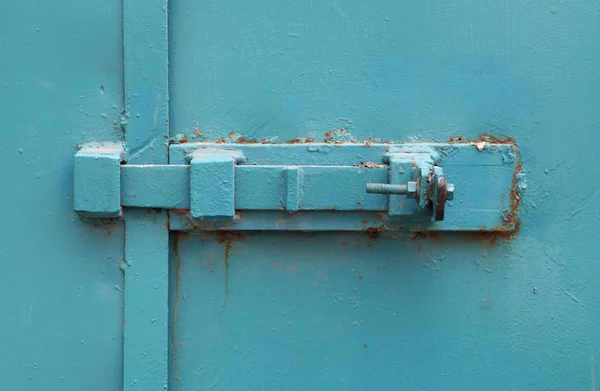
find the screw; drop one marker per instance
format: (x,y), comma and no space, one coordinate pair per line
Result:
(450,192)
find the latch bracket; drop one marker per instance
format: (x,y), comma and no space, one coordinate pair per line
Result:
(309,186)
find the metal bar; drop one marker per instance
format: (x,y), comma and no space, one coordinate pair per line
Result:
(146,312)
(474,221)
(256,188)
(292,188)
(146,81)
(146,110)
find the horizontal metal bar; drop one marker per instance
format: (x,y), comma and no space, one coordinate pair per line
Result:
(492,154)
(480,220)
(258,187)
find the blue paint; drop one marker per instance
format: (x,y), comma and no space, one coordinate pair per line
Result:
(220,179)
(292,188)
(212,184)
(61,80)
(146,113)
(97,180)
(296,310)
(145,332)
(145,343)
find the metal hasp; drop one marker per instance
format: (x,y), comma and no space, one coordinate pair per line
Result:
(97,182)
(427,184)
(308,187)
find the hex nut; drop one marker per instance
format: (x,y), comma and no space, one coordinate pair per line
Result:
(450,192)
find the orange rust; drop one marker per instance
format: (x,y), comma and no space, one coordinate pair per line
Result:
(360,277)
(198,134)
(331,134)
(431,235)
(488,138)
(177,272)
(227,238)
(418,235)
(300,141)
(374,233)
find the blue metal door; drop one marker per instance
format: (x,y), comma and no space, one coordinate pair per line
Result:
(299,195)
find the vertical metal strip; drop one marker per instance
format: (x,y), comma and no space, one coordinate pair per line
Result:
(145,39)
(145,343)
(146,313)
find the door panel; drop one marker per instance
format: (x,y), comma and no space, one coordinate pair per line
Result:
(289,310)
(303,311)
(61,286)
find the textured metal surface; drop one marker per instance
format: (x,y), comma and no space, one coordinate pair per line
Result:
(97,179)
(301,311)
(346,312)
(146,127)
(212,186)
(60,285)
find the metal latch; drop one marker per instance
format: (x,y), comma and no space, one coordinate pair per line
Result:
(427,185)
(305,186)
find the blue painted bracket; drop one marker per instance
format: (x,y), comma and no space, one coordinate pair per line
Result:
(212,184)
(299,187)
(97,182)
(410,163)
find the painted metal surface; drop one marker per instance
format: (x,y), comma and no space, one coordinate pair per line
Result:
(221,180)
(61,311)
(297,311)
(97,179)
(146,323)
(344,311)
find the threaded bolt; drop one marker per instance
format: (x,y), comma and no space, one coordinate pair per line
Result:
(383,188)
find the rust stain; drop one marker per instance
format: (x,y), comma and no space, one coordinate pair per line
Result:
(198,134)
(431,235)
(360,277)
(370,165)
(227,239)
(374,233)
(484,137)
(177,270)
(181,140)
(332,134)
(300,140)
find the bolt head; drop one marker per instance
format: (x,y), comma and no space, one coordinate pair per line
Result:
(450,192)
(411,191)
